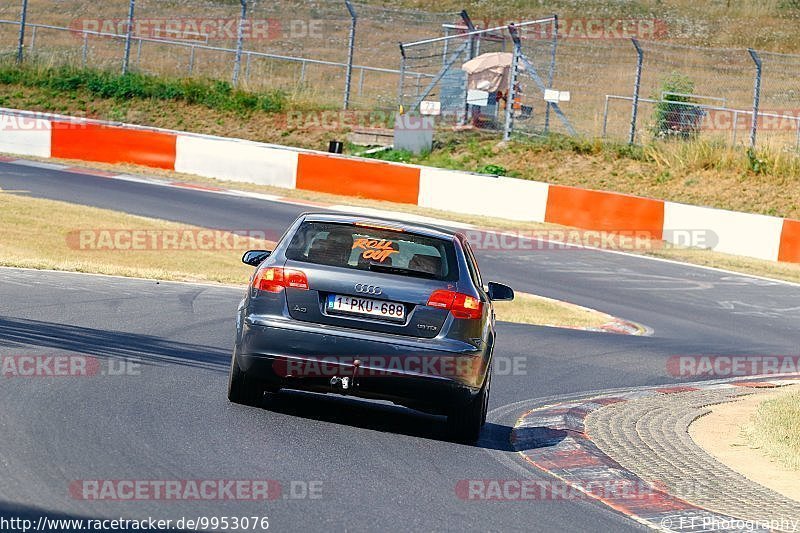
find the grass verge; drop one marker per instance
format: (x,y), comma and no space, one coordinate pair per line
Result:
(213,94)
(697,171)
(775,429)
(41,234)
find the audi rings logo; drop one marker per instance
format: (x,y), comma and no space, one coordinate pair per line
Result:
(368,289)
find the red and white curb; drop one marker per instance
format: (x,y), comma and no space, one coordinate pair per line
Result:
(553,440)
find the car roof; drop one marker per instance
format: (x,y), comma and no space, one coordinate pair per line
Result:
(428,230)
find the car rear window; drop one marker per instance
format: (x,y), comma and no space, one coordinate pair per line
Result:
(372,248)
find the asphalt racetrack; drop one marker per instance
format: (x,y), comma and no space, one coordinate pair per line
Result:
(342,464)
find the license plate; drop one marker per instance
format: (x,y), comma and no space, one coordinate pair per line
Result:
(354,305)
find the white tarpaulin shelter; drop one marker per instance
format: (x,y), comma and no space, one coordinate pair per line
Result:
(489,72)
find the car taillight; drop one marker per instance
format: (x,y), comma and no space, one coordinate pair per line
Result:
(460,305)
(275,279)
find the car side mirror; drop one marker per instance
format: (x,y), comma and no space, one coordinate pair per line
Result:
(499,292)
(255,257)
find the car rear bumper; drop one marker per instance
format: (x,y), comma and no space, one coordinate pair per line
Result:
(301,356)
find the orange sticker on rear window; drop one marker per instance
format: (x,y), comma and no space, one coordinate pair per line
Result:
(377,250)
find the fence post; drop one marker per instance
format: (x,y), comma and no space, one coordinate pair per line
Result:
(350,49)
(237,62)
(85,51)
(472,51)
(512,82)
(636,87)
(401,87)
(23,17)
(552,72)
(756,96)
(128,32)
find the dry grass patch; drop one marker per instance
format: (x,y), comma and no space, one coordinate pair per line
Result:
(775,429)
(532,309)
(36,234)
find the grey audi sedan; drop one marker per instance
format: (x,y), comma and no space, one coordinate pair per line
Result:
(372,308)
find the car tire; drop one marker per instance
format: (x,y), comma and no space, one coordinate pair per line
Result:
(242,390)
(464,425)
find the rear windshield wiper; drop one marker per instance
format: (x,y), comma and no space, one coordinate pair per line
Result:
(374,267)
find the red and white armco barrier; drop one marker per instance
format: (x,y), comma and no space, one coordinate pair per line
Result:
(46,135)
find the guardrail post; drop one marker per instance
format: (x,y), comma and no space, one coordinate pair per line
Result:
(350,49)
(237,62)
(128,32)
(756,96)
(637,85)
(22,19)
(552,72)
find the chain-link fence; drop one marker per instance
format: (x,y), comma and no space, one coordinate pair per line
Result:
(616,78)
(611,85)
(313,48)
(491,78)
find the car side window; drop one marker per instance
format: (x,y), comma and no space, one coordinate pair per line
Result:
(472,264)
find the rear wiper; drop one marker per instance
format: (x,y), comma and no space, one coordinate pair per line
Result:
(397,270)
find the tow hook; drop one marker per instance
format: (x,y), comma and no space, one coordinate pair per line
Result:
(342,383)
(346,382)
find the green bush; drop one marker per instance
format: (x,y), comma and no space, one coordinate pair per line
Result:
(672,118)
(495,170)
